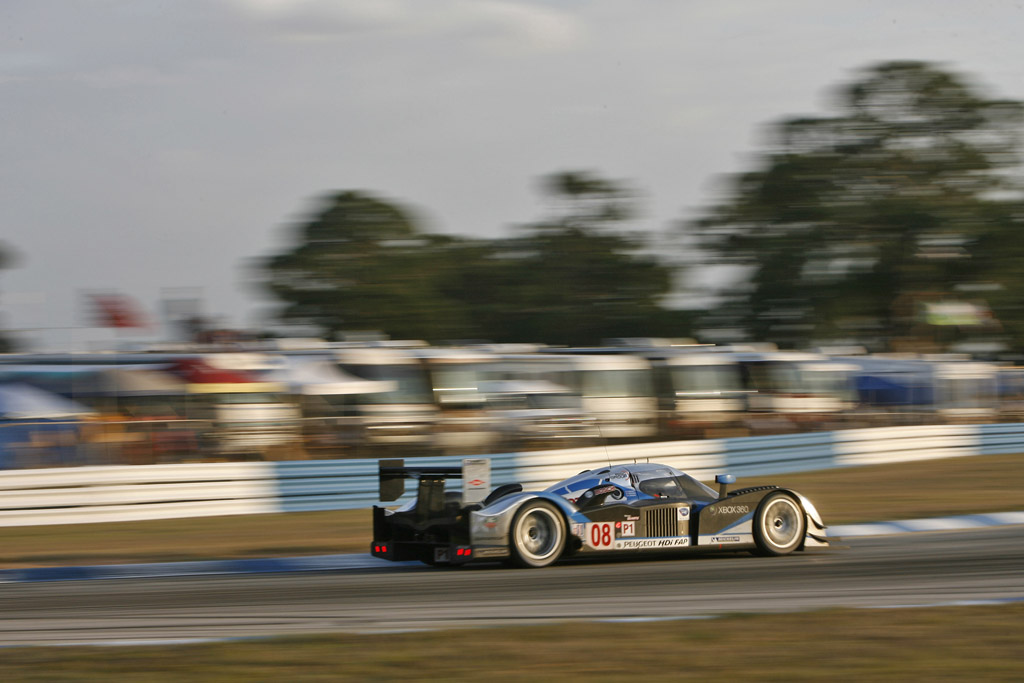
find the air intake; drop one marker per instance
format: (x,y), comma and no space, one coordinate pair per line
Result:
(661,522)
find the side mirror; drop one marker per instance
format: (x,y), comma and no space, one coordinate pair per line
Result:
(723,481)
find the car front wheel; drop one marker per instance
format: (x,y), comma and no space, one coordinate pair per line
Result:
(779,525)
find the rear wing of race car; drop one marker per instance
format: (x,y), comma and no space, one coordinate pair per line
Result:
(474,472)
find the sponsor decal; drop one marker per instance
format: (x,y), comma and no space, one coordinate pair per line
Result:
(725,539)
(651,543)
(485,527)
(627,528)
(579,530)
(476,473)
(633,518)
(684,513)
(728,509)
(604,489)
(600,535)
(491,552)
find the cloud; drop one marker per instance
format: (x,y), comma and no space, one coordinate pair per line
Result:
(354,13)
(127,76)
(500,25)
(20,66)
(541,27)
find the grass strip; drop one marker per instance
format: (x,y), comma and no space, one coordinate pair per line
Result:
(934,644)
(911,490)
(932,488)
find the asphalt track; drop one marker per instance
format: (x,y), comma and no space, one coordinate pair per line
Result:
(884,571)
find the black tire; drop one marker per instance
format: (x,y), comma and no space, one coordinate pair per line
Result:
(538,533)
(779,525)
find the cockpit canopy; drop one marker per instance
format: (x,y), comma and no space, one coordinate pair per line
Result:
(639,481)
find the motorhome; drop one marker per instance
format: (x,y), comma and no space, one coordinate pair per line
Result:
(939,388)
(699,395)
(219,395)
(403,416)
(529,414)
(795,390)
(456,375)
(616,390)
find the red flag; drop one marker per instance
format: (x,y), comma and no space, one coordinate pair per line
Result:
(116,310)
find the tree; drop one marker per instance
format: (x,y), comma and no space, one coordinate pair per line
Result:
(7,260)
(574,278)
(850,223)
(362,263)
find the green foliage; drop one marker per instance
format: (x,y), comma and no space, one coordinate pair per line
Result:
(850,221)
(563,286)
(362,263)
(571,279)
(7,260)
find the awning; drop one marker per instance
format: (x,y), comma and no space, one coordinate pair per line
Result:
(202,378)
(322,378)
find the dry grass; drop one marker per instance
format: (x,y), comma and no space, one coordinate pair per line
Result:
(863,494)
(194,538)
(930,488)
(939,644)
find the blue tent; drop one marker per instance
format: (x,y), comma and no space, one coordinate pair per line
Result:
(28,413)
(20,401)
(879,391)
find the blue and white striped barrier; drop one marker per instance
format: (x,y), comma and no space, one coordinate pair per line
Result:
(128,493)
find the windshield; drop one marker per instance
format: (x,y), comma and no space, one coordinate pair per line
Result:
(616,383)
(677,486)
(457,385)
(773,378)
(965,392)
(553,401)
(829,383)
(704,379)
(248,398)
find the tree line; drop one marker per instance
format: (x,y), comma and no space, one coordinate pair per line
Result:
(893,221)
(576,277)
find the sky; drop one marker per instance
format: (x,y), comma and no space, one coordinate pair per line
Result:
(160,148)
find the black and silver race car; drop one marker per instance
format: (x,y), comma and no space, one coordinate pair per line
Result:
(627,508)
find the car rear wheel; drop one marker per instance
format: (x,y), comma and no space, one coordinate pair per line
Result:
(538,535)
(779,525)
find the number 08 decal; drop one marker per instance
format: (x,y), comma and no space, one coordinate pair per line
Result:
(600,535)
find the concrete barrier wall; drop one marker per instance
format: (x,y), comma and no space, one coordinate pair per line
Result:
(128,493)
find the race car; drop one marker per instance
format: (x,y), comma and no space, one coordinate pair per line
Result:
(628,508)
